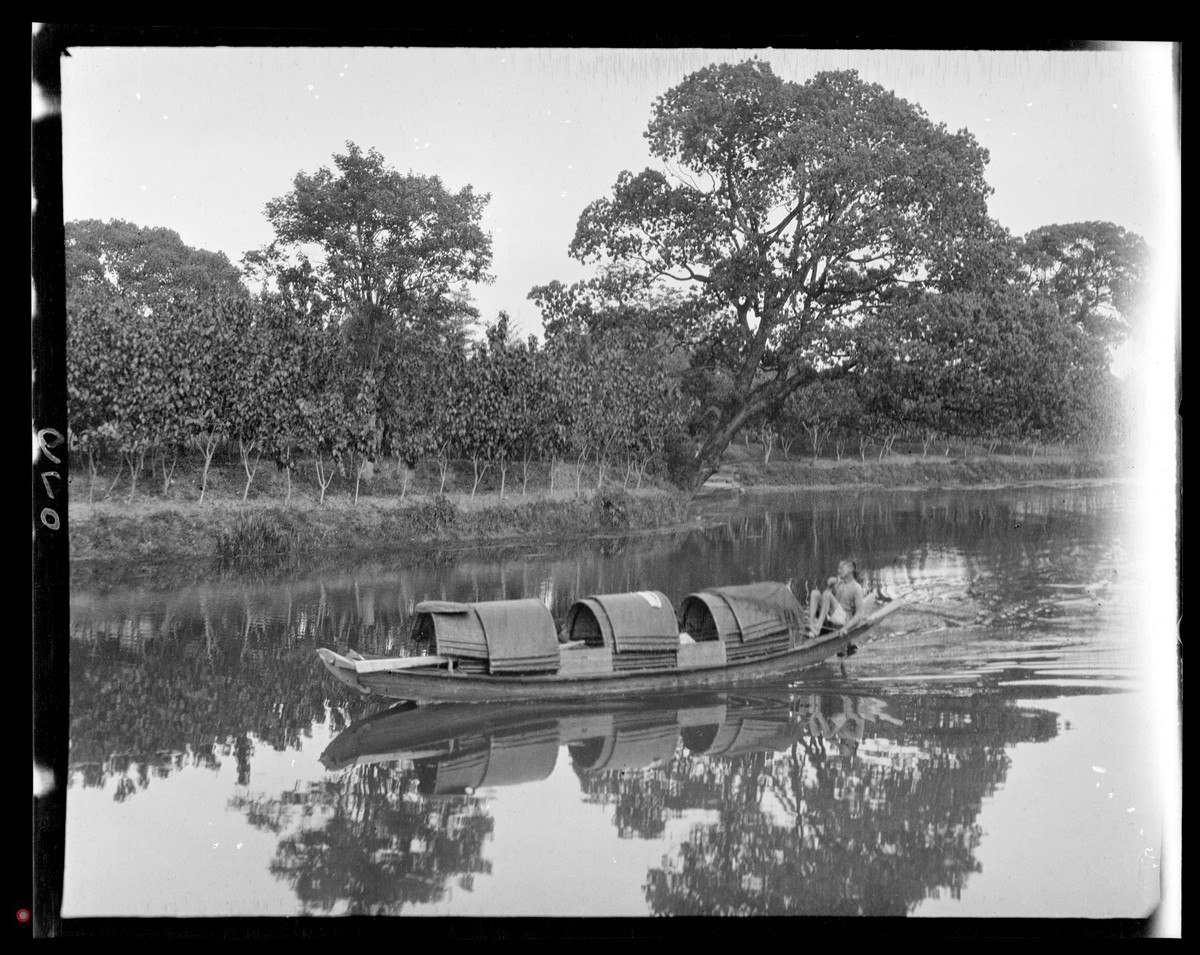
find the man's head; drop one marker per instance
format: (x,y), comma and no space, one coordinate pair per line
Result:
(847,569)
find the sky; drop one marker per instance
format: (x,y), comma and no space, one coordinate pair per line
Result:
(199,139)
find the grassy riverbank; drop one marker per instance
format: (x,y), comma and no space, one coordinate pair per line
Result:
(171,526)
(743,469)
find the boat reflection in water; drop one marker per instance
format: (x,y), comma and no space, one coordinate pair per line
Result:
(819,803)
(458,748)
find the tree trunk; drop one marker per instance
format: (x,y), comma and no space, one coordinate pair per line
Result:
(322,480)
(134,471)
(208,448)
(93,470)
(478,473)
(287,476)
(579,471)
(167,475)
(708,458)
(245,450)
(443,467)
(120,467)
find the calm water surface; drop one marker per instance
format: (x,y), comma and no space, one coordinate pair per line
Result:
(989,753)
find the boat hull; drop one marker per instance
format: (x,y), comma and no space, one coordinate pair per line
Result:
(430,685)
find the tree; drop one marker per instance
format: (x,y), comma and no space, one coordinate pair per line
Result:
(93,378)
(817,409)
(149,267)
(386,259)
(384,250)
(1006,365)
(790,210)
(1096,271)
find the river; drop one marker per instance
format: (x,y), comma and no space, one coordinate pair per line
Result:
(990,751)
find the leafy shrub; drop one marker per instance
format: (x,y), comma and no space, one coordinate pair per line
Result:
(611,509)
(436,515)
(257,534)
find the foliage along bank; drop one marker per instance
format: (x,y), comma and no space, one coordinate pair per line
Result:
(815,264)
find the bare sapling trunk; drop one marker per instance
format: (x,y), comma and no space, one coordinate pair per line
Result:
(135,470)
(246,450)
(579,471)
(324,478)
(359,471)
(287,476)
(524,472)
(120,469)
(862,449)
(93,470)
(443,466)
(207,445)
(503,474)
(168,474)
(479,473)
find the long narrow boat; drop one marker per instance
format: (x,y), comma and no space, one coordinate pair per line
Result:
(612,646)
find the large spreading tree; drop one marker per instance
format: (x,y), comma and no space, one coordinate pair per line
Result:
(792,211)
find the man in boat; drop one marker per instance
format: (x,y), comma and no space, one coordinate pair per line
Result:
(841,604)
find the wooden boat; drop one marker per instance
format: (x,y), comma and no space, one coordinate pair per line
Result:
(612,645)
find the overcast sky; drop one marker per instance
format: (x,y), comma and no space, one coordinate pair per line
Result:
(199,140)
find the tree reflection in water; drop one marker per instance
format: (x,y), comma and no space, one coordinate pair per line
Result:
(369,845)
(865,812)
(822,804)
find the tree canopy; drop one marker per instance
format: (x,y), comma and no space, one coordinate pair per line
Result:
(790,210)
(1096,271)
(147,266)
(382,249)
